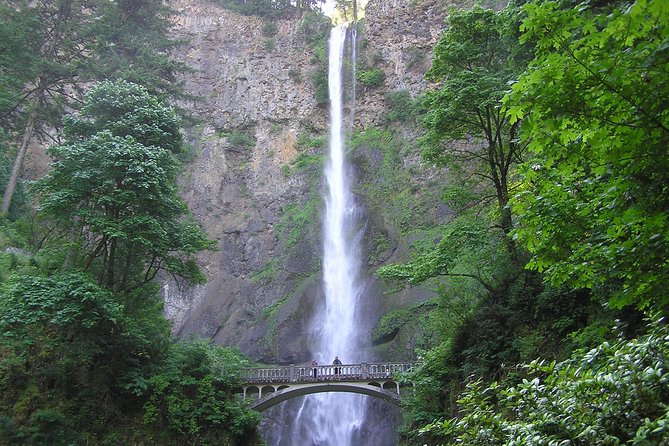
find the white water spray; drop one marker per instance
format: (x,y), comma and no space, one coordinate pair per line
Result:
(341,259)
(334,419)
(338,326)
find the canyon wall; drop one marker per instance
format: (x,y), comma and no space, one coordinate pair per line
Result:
(258,139)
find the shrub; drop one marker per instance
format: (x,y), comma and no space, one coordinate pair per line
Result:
(296,75)
(320,81)
(316,28)
(371,78)
(269,45)
(270,29)
(192,394)
(402,107)
(241,139)
(613,394)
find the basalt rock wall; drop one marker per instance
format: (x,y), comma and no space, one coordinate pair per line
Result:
(255,178)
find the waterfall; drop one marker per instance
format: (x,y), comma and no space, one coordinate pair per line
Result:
(334,419)
(341,259)
(340,325)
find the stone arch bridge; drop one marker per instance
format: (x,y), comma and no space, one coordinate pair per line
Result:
(269,386)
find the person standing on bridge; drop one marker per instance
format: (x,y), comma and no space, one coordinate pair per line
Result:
(336,362)
(315,371)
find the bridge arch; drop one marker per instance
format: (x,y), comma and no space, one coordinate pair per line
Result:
(274,398)
(269,386)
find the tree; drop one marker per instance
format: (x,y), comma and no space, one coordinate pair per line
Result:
(192,397)
(594,206)
(72,42)
(67,353)
(467,249)
(474,61)
(62,38)
(82,365)
(18,50)
(134,44)
(18,56)
(347,10)
(114,181)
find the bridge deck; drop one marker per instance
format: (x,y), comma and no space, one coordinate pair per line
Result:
(326,373)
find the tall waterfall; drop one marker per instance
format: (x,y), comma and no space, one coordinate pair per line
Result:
(338,326)
(341,259)
(341,323)
(334,419)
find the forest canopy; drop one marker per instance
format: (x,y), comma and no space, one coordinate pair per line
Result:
(593,211)
(579,90)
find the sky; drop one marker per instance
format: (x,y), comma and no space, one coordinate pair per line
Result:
(328,8)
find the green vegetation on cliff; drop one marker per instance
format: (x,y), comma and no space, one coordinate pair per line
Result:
(316,29)
(380,156)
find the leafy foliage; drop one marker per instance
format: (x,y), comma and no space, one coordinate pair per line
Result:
(51,49)
(589,205)
(371,77)
(316,29)
(66,352)
(319,79)
(379,154)
(134,44)
(71,302)
(402,107)
(115,180)
(193,396)
(83,342)
(613,394)
(298,220)
(474,61)
(466,249)
(391,322)
(80,365)
(270,29)
(18,57)
(593,210)
(242,139)
(485,338)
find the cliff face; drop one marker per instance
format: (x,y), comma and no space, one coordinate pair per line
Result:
(400,35)
(255,178)
(250,112)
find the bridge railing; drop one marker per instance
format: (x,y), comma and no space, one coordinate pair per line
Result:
(307,373)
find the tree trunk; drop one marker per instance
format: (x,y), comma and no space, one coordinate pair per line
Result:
(61,19)
(112,261)
(21,154)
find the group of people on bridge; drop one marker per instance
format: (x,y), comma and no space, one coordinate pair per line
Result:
(336,362)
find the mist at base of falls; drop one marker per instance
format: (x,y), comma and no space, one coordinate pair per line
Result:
(377,428)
